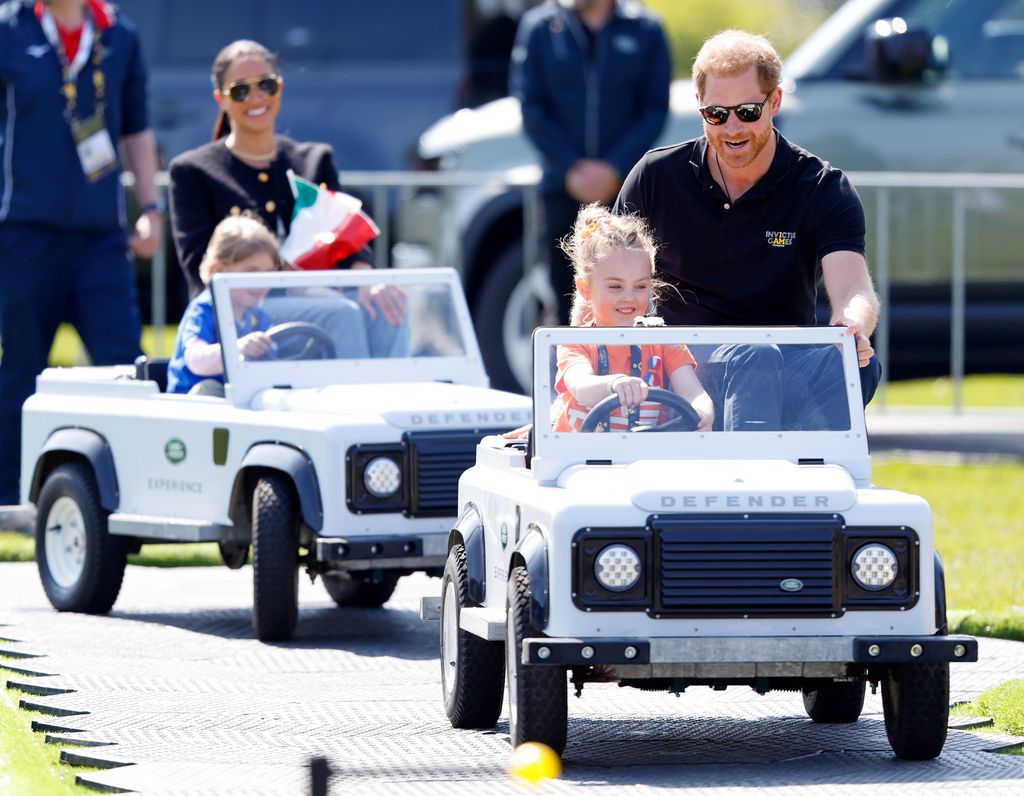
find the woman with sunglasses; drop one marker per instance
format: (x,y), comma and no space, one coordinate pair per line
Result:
(244,168)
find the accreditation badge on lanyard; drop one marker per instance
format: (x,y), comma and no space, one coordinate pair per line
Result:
(95,148)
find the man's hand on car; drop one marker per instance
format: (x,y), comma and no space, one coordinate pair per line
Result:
(389,299)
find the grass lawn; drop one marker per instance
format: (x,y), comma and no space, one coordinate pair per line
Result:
(1004,704)
(68,349)
(19,547)
(28,764)
(979,391)
(979,528)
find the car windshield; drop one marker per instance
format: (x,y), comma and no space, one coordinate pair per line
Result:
(313,329)
(701,392)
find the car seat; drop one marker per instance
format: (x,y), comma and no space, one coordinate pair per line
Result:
(152,369)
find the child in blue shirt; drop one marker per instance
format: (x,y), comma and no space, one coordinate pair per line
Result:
(239,243)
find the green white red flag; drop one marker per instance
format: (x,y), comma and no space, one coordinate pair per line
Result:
(326,226)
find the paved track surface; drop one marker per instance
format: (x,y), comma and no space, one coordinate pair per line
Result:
(175,682)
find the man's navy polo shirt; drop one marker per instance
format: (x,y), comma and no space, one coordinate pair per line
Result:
(756,262)
(41,178)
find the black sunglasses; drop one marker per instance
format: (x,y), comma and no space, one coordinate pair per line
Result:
(268,85)
(748,112)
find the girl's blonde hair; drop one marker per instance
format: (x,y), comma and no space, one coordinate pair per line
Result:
(237,238)
(598,232)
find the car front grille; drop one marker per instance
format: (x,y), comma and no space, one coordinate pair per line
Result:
(436,460)
(713,566)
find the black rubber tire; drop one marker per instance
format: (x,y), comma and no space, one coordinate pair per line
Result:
(915,702)
(275,558)
(473,674)
(537,695)
(489,310)
(349,592)
(829,702)
(105,556)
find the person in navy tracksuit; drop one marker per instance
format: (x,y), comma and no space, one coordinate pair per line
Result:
(72,88)
(592,77)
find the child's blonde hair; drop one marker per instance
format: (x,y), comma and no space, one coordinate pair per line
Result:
(598,232)
(237,238)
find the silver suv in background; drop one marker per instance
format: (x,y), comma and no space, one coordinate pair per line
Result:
(882,85)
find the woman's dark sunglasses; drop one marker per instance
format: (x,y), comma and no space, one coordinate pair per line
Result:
(268,85)
(748,112)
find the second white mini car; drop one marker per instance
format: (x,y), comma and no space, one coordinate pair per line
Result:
(339,454)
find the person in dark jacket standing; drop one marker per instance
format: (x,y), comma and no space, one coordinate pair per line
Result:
(592,77)
(72,88)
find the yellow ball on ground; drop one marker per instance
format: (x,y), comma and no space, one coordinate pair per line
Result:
(534,761)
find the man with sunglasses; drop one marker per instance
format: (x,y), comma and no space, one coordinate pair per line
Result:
(747,223)
(72,89)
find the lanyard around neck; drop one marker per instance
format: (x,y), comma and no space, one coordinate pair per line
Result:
(70,70)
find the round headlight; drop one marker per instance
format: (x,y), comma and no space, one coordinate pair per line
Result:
(874,567)
(382,477)
(617,567)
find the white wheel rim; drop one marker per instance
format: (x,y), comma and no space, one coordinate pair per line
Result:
(449,641)
(512,671)
(522,317)
(65,542)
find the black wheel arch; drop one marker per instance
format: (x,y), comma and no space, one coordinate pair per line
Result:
(532,554)
(78,444)
(469,532)
(291,463)
(941,623)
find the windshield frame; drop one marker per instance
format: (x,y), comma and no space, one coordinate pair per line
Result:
(555,451)
(243,379)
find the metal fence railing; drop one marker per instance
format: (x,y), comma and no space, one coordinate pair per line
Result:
(386,188)
(960,184)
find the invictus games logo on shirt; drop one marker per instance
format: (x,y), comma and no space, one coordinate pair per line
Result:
(779,239)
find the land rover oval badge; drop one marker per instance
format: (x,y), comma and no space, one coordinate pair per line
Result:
(791,584)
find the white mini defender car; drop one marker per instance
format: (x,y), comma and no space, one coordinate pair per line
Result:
(347,468)
(665,558)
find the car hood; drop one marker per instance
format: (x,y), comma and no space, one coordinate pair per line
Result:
(711,486)
(407,405)
(503,119)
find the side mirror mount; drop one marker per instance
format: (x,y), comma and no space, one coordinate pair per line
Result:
(896,51)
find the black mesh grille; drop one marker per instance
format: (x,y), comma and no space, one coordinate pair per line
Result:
(733,568)
(436,460)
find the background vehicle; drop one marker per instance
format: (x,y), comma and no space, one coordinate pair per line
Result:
(665,558)
(864,96)
(345,467)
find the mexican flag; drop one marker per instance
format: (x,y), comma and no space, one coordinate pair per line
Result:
(326,226)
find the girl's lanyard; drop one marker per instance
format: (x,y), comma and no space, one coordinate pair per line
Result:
(635,369)
(92,140)
(635,361)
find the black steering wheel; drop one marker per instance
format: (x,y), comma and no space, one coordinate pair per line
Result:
(301,340)
(688,419)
